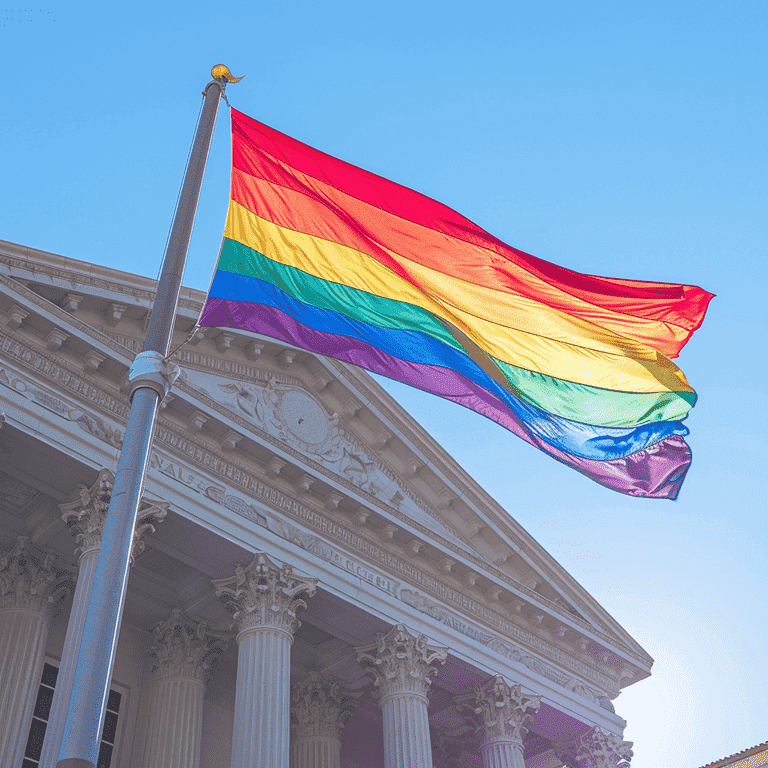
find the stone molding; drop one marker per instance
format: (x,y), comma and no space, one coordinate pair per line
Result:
(86,516)
(17,257)
(321,709)
(211,462)
(30,580)
(143,295)
(175,440)
(500,710)
(185,648)
(597,748)
(264,595)
(401,662)
(226,468)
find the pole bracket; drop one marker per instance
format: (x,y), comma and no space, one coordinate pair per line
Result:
(151,369)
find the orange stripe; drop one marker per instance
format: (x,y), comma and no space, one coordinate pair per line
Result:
(402,246)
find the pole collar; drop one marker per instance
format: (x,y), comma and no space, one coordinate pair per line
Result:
(151,369)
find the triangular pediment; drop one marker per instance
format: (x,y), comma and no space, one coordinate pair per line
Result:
(283,407)
(331,420)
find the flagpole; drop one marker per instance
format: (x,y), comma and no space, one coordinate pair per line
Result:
(150,378)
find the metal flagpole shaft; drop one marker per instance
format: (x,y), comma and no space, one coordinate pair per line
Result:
(150,379)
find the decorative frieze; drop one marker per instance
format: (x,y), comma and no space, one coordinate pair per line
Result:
(409,572)
(597,748)
(228,469)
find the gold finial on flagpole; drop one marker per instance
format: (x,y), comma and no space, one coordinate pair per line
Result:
(222,70)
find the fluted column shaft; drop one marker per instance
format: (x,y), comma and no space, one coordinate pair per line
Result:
(66,676)
(265,599)
(183,653)
(407,742)
(86,517)
(175,723)
(316,752)
(30,587)
(402,665)
(262,699)
(500,712)
(321,710)
(503,754)
(23,635)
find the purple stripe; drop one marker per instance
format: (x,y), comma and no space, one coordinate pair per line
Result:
(656,472)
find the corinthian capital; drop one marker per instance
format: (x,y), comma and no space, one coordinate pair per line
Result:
(401,661)
(321,709)
(596,748)
(184,648)
(29,579)
(265,595)
(86,515)
(501,711)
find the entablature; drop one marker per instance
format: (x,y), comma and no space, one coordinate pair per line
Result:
(425,509)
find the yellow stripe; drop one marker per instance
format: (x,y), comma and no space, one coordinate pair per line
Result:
(626,366)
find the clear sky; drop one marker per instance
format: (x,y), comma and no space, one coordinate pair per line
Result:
(615,138)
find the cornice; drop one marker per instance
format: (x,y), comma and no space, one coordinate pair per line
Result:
(207,458)
(69,272)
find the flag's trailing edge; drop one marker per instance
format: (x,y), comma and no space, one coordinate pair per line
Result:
(333,259)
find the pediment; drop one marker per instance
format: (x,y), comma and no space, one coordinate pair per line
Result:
(332,417)
(283,407)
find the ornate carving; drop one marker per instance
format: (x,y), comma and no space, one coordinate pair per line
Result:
(501,710)
(184,648)
(86,421)
(29,579)
(86,515)
(597,748)
(321,709)
(401,661)
(265,595)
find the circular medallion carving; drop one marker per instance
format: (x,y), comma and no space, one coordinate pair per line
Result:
(304,418)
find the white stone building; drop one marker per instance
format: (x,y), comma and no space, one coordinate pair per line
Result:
(315,582)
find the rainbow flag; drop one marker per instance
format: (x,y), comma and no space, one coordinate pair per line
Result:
(336,260)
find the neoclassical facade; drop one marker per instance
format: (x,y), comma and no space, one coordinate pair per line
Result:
(315,583)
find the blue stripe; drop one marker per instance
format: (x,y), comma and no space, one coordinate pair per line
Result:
(585,440)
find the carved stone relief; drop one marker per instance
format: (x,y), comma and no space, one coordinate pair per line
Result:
(86,421)
(297,419)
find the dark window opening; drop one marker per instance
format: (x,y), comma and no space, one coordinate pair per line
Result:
(42,713)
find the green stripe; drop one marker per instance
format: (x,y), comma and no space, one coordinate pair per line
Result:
(579,402)
(592,405)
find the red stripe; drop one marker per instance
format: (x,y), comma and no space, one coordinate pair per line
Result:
(254,144)
(339,221)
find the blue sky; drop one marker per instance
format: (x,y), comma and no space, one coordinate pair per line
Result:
(625,139)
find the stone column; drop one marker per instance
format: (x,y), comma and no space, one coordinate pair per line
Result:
(85,518)
(184,653)
(321,709)
(501,712)
(30,588)
(265,598)
(597,748)
(402,665)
